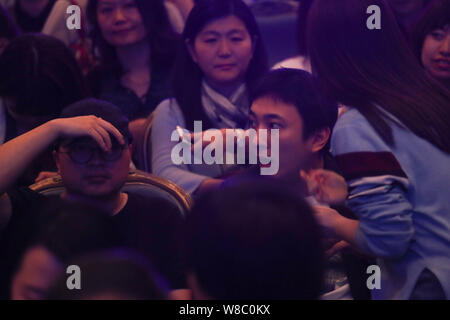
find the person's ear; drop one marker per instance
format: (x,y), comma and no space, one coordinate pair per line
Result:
(57,161)
(319,139)
(191,50)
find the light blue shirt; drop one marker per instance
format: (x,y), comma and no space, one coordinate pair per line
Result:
(166,117)
(403,220)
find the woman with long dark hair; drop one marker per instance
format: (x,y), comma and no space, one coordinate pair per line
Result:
(431,40)
(393,146)
(39,77)
(136,47)
(221,57)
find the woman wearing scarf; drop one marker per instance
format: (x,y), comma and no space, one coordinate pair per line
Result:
(222,56)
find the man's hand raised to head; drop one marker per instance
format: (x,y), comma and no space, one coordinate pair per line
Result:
(91,126)
(18,153)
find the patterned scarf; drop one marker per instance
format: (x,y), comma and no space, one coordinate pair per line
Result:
(224,112)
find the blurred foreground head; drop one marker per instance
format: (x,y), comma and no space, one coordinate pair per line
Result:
(118,274)
(64,231)
(254,241)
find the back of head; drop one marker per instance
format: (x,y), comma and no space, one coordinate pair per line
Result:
(362,68)
(63,230)
(254,241)
(299,88)
(39,75)
(117,274)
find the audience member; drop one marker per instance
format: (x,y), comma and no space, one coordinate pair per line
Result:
(290,101)
(92,153)
(38,78)
(35,257)
(221,58)
(255,241)
(136,47)
(392,147)
(431,40)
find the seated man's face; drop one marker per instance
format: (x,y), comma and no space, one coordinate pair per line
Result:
(295,151)
(88,170)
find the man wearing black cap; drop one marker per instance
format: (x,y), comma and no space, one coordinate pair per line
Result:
(93,154)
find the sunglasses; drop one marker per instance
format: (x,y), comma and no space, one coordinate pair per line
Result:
(84,153)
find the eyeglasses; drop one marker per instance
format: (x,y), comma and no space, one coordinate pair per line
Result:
(82,153)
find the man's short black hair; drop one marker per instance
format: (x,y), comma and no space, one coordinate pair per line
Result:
(99,108)
(258,240)
(299,88)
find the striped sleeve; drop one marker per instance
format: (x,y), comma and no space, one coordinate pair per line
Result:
(378,189)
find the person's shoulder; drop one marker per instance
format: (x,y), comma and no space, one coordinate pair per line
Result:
(175,17)
(169,104)
(297,62)
(24,195)
(168,108)
(352,123)
(354,133)
(28,205)
(351,117)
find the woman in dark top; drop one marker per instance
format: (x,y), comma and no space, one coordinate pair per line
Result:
(136,46)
